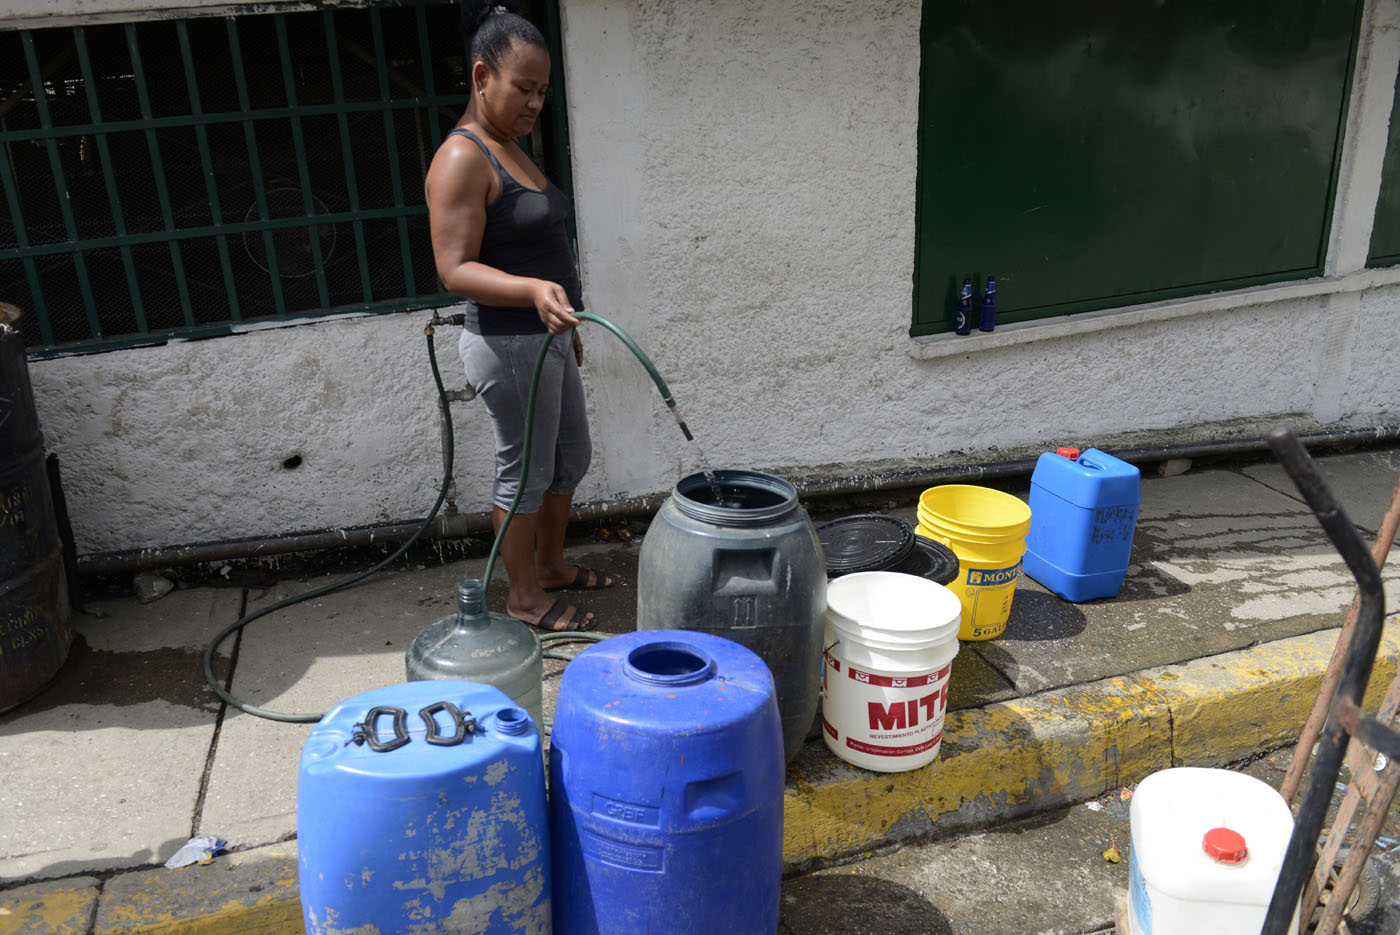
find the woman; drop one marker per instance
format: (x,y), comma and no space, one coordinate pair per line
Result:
(499,240)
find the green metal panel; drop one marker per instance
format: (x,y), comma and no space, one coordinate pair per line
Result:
(1094,155)
(1385,235)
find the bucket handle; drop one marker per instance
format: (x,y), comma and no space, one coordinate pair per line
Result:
(366,732)
(462,724)
(826,649)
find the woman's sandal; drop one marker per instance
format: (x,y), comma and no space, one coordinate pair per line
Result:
(554,621)
(586,579)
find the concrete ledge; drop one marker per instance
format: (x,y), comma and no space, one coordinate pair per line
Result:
(947,344)
(1013,759)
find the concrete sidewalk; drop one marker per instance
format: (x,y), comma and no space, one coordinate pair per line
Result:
(1211,653)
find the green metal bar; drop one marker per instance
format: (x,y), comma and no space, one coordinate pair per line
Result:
(425,55)
(65,204)
(109,177)
(31,270)
(250,139)
(206,162)
(289,82)
(158,170)
(433,116)
(64,131)
(347,153)
(192,233)
(559,168)
(381,65)
(1335,175)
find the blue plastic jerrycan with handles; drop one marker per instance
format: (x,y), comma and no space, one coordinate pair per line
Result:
(421,808)
(1084,511)
(666,789)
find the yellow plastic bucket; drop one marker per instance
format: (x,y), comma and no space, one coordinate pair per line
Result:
(987,530)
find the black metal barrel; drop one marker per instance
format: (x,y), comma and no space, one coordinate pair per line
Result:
(36,631)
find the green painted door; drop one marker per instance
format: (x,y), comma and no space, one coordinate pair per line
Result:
(1097,154)
(1385,235)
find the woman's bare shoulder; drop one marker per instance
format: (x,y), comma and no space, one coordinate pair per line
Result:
(459,167)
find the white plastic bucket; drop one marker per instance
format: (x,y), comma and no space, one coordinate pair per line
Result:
(1207,847)
(890,643)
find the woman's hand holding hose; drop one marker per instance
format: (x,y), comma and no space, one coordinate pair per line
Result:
(554,308)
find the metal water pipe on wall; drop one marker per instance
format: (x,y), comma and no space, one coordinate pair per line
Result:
(458,525)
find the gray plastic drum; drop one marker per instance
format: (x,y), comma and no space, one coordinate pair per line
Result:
(739,558)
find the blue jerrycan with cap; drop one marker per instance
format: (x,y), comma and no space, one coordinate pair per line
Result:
(666,789)
(421,808)
(1084,509)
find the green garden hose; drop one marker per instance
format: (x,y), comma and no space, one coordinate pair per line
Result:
(448,453)
(530,419)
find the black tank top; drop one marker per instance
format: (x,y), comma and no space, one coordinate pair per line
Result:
(525,236)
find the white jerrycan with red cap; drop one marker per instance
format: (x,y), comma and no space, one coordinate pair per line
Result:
(1207,846)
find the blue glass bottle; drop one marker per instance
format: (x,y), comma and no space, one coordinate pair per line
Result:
(989,305)
(964,316)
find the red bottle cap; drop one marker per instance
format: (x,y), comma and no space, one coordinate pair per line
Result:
(1224,846)
(1067,452)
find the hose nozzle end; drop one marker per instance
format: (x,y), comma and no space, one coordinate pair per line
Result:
(676,414)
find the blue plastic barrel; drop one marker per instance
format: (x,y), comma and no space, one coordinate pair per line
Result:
(1083,515)
(421,808)
(666,789)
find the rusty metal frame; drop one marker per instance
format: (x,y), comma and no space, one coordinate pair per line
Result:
(1337,719)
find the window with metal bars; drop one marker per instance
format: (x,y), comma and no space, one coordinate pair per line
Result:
(181,177)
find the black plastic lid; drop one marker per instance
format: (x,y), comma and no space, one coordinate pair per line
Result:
(867,542)
(931,560)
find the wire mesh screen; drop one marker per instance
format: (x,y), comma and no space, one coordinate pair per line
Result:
(177,177)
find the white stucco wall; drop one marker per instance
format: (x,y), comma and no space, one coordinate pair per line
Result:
(745,175)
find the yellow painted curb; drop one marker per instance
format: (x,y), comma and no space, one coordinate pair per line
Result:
(1230,705)
(59,907)
(249,893)
(1008,760)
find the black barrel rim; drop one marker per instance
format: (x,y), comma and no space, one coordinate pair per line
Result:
(690,493)
(864,542)
(930,559)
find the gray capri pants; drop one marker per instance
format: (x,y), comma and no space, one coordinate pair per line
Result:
(499,367)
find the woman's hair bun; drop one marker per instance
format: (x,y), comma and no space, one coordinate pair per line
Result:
(476,12)
(490,26)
